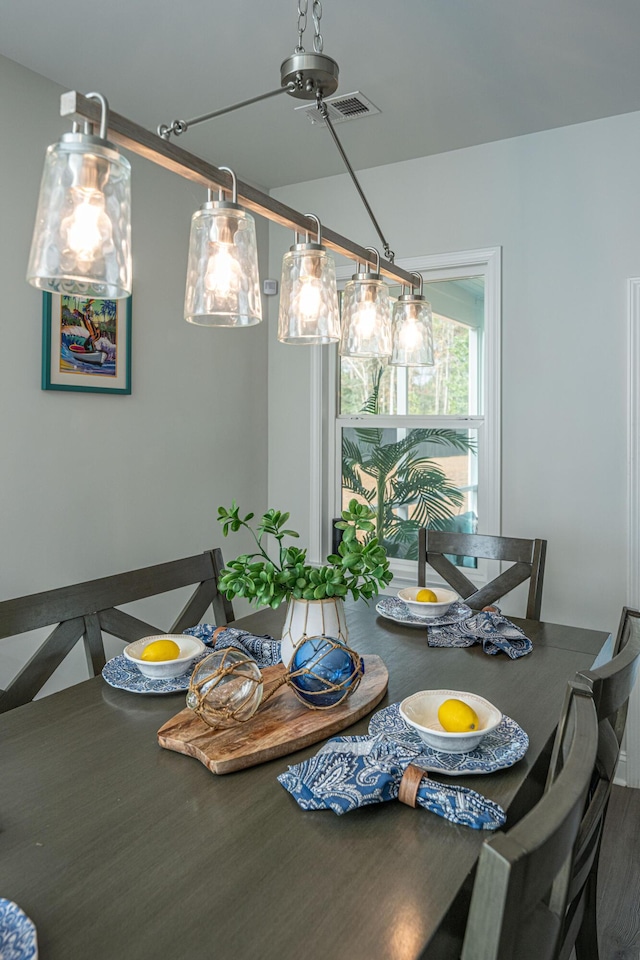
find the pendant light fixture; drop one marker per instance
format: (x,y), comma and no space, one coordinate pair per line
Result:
(223,286)
(366,315)
(82,237)
(82,243)
(308,294)
(412,330)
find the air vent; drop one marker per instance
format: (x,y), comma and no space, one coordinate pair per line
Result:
(350,106)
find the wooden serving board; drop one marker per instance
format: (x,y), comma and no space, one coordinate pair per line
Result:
(281,726)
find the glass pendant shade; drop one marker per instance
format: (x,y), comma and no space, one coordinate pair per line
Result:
(412,332)
(82,237)
(223,285)
(308,297)
(366,317)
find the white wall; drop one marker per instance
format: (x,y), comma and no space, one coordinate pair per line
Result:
(94,485)
(565,207)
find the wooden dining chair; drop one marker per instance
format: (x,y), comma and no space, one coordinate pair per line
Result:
(527,557)
(86,610)
(336,535)
(610,687)
(520,888)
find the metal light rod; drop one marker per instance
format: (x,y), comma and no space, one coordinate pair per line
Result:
(179,127)
(146,144)
(322,107)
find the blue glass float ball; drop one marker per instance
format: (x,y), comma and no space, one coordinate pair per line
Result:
(331,665)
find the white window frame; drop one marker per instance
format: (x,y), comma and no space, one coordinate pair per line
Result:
(628,771)
(326,423)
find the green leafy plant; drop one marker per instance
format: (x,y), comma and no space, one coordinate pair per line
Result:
(390,476)
(360,567)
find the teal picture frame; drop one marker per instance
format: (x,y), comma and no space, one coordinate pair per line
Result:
(86,344)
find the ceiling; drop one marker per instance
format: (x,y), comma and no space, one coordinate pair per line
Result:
(445,74)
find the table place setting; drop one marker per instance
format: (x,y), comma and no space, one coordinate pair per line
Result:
(444,731)
(18,939)
(451,623)
(392,608)
(129,671)
(501,748)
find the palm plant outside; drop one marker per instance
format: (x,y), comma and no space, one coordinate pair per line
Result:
(396,479)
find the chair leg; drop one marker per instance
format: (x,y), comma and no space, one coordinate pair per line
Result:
(587,939)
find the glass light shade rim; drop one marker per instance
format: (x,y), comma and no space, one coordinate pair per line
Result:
(221,320)
(55,285)
(310,341)
(365,356)
(397,363)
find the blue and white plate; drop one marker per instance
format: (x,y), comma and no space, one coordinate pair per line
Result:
(124,675)
(17,933)
(392,608)
(507,744)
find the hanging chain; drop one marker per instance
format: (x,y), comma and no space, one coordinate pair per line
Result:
(316,12)
(303,6)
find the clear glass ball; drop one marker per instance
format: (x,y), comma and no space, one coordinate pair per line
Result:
(226,688)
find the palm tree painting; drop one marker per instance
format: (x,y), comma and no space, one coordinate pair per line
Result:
(88,336)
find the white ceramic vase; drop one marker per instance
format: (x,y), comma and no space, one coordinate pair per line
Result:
(312,618)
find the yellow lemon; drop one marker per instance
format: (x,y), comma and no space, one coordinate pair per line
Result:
(456,716)
(426,596)
(161,650)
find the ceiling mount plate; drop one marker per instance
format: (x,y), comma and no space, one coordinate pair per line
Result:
(310,72)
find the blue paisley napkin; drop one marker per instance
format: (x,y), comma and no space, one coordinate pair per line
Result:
(492,630)
(264,649)
(351,772)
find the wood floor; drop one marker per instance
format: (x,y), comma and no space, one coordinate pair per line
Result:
(619,878)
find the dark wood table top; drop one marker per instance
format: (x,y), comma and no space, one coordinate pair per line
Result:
(117,848)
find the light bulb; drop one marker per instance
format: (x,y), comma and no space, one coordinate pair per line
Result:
(223,276)
(309,299)
(409,335)
(367,315)
(87,226)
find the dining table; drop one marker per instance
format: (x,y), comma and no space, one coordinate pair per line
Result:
(118,849)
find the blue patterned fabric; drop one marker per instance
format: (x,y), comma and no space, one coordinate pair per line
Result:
(264,649)
(457,629)
(351,772)
(18,940)
(492,630)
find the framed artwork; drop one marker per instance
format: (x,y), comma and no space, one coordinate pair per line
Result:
(86,344)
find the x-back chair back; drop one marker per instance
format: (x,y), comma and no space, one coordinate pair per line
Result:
(610,687)
(527,557)
(85,610)
(519,893)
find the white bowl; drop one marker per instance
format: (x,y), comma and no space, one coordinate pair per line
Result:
(423,608)
(420,711)
(190,647)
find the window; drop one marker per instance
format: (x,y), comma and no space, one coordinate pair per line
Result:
(421,445)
